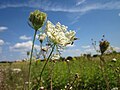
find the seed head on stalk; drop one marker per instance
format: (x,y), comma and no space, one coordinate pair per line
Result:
(103,46)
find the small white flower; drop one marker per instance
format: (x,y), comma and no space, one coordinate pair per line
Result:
(41,88)
(114,59)
(55,57)
(67,60)
(17,70)
(65,87)
(115,88)
(71,88)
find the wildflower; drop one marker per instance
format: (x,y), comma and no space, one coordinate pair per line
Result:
(27,83)
(103,46)
(67,60)
(41,88)
(42,37)
(115,88)
(71,88)
(55,57)
(58,34)
(65,87)
(17,70)
(114,60)
(37,19)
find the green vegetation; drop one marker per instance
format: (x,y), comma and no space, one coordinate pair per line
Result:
(81,73)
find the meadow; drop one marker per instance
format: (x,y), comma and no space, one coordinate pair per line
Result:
(79,73)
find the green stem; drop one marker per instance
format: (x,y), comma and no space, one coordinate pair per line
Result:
(29,75)
(46,62)
(105,76)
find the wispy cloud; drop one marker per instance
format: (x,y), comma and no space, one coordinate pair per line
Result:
(51,6)
(80,2)
(1,43)
(3,28)
(116,48)
(86,46)
(24,37)
(118,14)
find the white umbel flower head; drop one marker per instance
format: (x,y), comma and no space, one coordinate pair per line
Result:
(58,34)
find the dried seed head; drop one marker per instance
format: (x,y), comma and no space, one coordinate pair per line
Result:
(103,46)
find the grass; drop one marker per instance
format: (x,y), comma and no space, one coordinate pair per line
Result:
(88,70)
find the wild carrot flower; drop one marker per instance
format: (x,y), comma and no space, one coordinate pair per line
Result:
(37,19)
(58,34)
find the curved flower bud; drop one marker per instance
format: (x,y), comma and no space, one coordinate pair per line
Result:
(37,19)
(42,37)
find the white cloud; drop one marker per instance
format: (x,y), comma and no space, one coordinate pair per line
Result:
(116,48)
(90,50)
(3,28)
(1,42)
(118,14)
(71,52)
(24,37)
(0,50)
(23,47)
(80,2)
(87,46)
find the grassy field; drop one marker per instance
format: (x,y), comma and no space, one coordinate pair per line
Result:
(80,73)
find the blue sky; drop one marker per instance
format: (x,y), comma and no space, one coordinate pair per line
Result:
(89,18)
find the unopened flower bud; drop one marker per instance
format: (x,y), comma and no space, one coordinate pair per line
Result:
(37,19)
(42,37)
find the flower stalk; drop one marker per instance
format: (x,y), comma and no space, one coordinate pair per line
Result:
(46,62)
(29,74)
